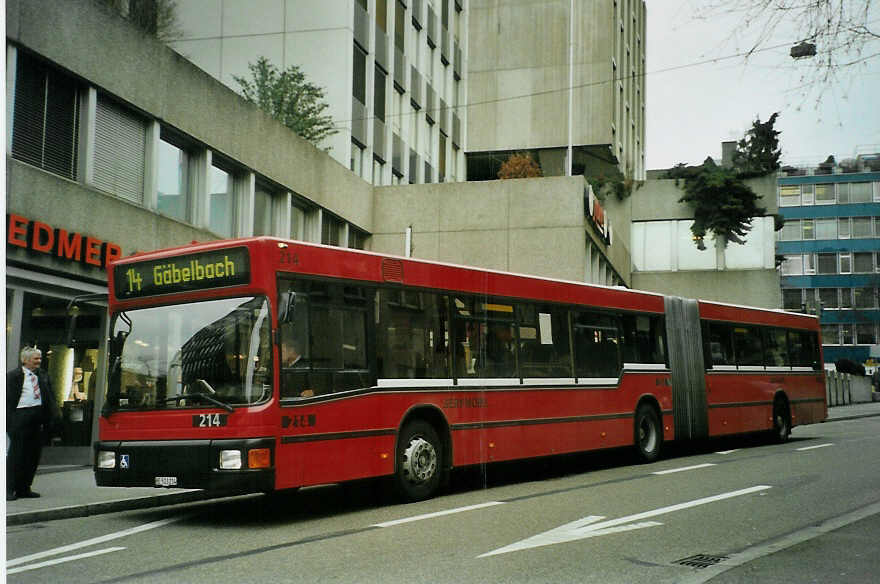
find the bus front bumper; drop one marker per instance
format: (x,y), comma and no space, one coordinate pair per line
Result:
(238,465)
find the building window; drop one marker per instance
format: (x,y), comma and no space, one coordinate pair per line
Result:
(809,229)
(807,197)
(45,124)
(356,238)
(824,194)
(173,180)
(846,334)
(863,262)
(846,300)
(830,334)
(863,298)
(297,222)
(789,195)
(330,227)
(357,159)
(860,192)
(826,228)
(793,266)
(865,334)
(845,263)
(221,202)
(262,211)
(120,146)
(827,263)
(791,231)
(828,297)
(862,227)
(843,228)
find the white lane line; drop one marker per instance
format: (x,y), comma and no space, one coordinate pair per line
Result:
(759,551)
(63,560)
(93,541)
(588,526)
(437,514)
(813,447)
(683,469)
(728,451)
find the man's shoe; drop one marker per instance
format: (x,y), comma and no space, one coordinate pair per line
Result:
(11,497)
(29,494)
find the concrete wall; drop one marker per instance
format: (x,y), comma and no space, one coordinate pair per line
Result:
(38,195)
(518,71)
(533,226)
(93,42)
(658,199)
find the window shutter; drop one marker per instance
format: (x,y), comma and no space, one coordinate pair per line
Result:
(120,143)
(45,118)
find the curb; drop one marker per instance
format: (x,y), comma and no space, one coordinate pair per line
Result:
(88,509)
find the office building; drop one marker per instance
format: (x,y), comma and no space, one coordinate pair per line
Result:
(394,73)
(829,247)
(522,59)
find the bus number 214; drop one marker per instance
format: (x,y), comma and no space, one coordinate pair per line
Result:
(209,420)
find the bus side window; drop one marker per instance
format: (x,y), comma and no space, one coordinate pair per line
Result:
(543,342)
(775,348)
(720,344)
(596,346)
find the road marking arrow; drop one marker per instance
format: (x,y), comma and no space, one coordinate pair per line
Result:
(588,526)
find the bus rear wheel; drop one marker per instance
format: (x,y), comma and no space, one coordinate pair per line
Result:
(648,434)
(419,461)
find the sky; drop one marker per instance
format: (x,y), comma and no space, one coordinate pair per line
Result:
(692,109)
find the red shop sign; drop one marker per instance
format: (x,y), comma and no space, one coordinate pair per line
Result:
(71,246)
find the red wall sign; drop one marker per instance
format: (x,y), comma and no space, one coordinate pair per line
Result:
(71,246)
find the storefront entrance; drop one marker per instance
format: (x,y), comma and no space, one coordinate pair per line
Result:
(36,315)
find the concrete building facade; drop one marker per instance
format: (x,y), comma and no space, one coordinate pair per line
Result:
(523,58)
(394,73)
(830,247)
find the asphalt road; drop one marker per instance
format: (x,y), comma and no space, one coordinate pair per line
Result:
(732,511)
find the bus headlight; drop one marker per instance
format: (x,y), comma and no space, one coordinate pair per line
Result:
(230,459)
(106,459)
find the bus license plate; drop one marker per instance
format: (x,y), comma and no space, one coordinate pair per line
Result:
(166,481)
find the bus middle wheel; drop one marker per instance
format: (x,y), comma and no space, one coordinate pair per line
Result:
(648,434)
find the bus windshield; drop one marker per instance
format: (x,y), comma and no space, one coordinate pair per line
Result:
(204,354)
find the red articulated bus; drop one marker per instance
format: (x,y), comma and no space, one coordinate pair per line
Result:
(262,364)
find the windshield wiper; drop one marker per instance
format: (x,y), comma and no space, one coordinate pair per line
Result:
(205,396)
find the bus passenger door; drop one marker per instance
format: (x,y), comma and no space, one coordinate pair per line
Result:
(684,338)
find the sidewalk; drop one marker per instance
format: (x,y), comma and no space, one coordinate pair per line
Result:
(70,491)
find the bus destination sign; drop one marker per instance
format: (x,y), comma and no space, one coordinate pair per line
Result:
(198,271)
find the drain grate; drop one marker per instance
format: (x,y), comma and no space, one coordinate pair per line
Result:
(701,561)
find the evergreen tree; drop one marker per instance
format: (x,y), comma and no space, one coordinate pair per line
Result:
(758,152)
(288,97)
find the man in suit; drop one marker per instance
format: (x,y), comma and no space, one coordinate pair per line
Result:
(30,408)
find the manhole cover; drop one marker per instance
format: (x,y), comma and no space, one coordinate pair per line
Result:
(701,561)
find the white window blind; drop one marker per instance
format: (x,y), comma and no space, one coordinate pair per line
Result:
(120,141)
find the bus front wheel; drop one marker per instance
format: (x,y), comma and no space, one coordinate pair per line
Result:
(648,434)
(419,461)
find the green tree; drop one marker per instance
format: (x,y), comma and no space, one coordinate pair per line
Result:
(722,203)
(288,97)
(758,152)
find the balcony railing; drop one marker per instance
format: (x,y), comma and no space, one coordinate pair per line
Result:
(444,45)
(432,28)
(415,87)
